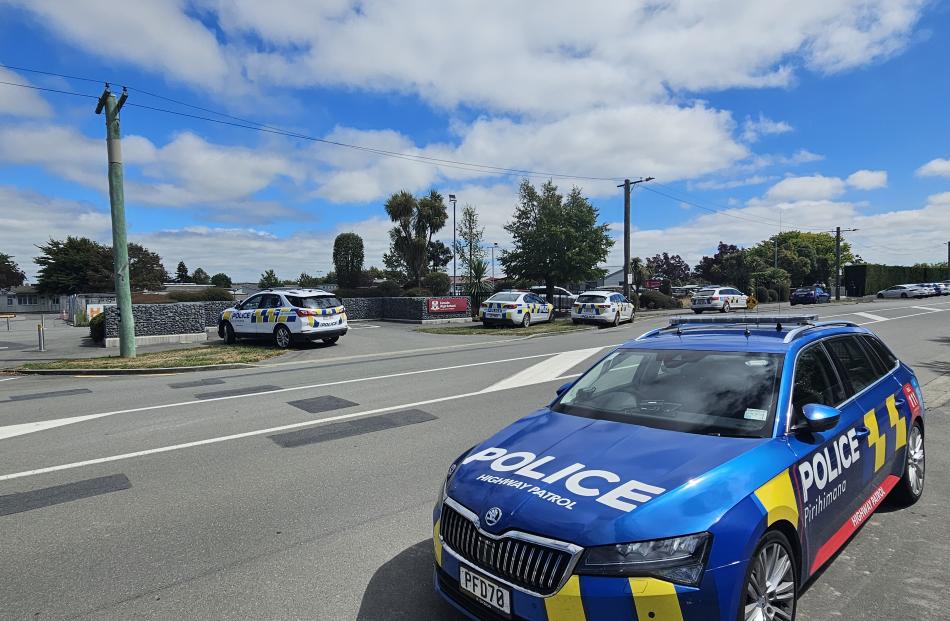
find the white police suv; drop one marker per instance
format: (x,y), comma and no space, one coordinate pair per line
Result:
(519,308)
(607,307)
(722,299)
(285,316)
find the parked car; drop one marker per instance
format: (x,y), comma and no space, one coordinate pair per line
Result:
(515,308)
(936,288)
(285,316)
(563,299)
(722,299)
(695,474)
(809,295)
(605,307)
(903,291)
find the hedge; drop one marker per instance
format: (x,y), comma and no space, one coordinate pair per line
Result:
(869,278)
(762,294)
(212,294)
(651,299)
(97,328)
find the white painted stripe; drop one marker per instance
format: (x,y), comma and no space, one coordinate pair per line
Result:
(930,308)
(7,379)
(872,317)
(545,370)
(24,428)
(238,436)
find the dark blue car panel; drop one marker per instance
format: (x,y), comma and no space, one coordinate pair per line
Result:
(680,483)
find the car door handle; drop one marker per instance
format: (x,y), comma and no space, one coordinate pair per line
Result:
(862,432)
(900,401)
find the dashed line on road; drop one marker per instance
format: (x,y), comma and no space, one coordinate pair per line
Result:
(873,317)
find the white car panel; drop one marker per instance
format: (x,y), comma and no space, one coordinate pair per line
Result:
(605,309)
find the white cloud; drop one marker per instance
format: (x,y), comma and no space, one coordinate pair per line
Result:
(733,183)
(811,188)
(753,129)
(21,102)
(867,179)
(935,168)
(28,219)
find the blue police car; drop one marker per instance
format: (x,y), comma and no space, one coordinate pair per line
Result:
(704,471)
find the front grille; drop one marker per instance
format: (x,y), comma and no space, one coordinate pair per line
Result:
(532,566)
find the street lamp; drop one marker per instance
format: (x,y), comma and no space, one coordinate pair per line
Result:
(494,245)
(454,273)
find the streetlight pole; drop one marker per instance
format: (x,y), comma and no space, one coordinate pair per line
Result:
(627,185)
(454,272)
(494,245)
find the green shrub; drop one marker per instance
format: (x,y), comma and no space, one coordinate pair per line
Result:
(782,289)
(772,295)
(651,299)
(212,294)
(97,328)
(635,299)
(418,292)
(385,289)
(389,289)
(761,294)
(437,282)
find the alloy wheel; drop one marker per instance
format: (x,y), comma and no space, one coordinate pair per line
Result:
(770,592)
(915,461)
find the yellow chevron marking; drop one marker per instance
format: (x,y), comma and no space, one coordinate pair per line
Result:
(876,440)
(778,498)
(566,604)
(898,422)
(437,542)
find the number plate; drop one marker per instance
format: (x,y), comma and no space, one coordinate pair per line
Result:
(493,315)
(487,592)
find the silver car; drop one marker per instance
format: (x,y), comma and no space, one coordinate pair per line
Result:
(904,291)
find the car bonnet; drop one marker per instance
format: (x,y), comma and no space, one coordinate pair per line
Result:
(632,482)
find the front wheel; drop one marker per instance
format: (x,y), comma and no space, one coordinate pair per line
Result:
(911,485)
(282,337)
(617,319)
(771,585)
(575,321)
(904,295)
(725,308)
(526,320)
(330,340)
(880,296)
(698,311)
(229,337)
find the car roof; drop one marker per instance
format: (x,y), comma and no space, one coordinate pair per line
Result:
(298,292)
(597,292)
(750,333)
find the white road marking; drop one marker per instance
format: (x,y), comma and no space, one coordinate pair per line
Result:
(872,317)
(545,370)
(352,327)
(8,379)
(238,436)
(20,429)
(930,308)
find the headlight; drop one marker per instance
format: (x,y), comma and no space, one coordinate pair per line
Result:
(678,559)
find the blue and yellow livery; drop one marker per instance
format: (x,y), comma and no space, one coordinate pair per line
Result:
(286,316)
(703,471)
(518,308)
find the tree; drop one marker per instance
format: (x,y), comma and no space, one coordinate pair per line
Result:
(268,280)
(221,280)
(307,281)
(10,273)
(710,268)
(80,265)
(440,255)
(468,247)
(437,282)
(670,267)
(476,285)
(200,277)
(556,240)
(638,270)
(807,257)
(181,273)
(417,220)
(348,259)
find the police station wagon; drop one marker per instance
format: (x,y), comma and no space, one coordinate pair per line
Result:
(703,471)
(722,299)
(285,316)
(515,308)
(606,307)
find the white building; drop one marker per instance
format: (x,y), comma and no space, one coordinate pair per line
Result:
(27,299)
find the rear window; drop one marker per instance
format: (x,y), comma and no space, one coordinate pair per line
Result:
(707,291)
(504,297)
(591,299)
(804,290)
(322,301)
(852,359)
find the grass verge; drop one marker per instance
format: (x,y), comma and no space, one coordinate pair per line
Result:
(558,325)
(190,357)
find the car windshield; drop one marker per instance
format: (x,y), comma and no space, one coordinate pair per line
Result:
(504,297)
(590,299)
(707,392)
(318,301)
(804,290)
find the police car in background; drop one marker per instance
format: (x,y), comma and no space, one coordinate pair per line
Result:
(517,308)
(607,307)
(722,299)
(285,316)
(701,472)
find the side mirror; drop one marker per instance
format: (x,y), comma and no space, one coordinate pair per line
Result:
(820,417)
(562,389)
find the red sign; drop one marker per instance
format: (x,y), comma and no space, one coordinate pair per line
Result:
(652,284)
(447,305)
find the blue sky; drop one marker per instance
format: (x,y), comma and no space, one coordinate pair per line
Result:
(816,113)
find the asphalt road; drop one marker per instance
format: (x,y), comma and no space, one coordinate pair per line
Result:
(304,488)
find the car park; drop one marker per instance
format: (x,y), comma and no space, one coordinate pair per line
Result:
(704,471)
(515,308)
(809,295)
(935,288)
(602,307)
(285,316)
(903,291)
(722,299)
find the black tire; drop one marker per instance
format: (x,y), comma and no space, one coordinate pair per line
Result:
(906,492)
(725,307)
(526,320)
(282,337)
(330,340)
(575,321)
(617,319)
(229,337)
(880,296)
(697,311)
(771,538)
(904,295)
